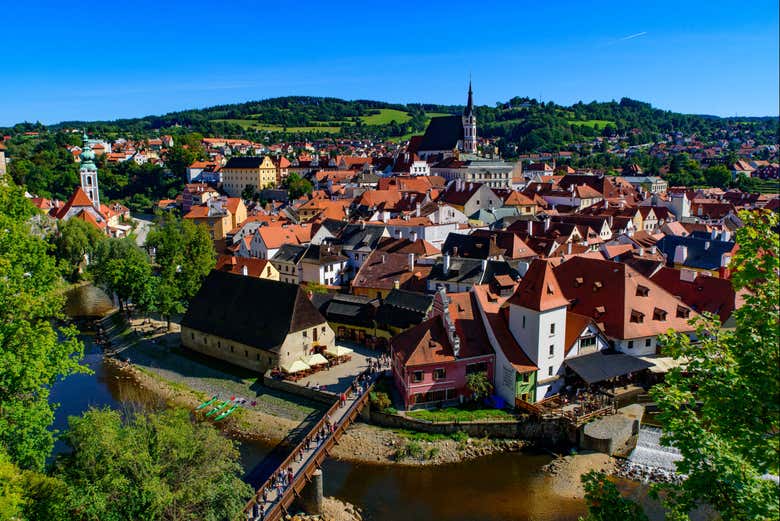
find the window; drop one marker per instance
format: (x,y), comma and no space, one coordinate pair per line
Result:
(631,344)
(219,344)
(648,341)
(637,316)
(523,321)
(246,353)
(552,350)
(526,377)
(588,341)
(659,314)
(305,334)
(552,328)
(192,335)
(439,374)
(257,357)
(231,349)
(417,376)
(480,367)
(550,371)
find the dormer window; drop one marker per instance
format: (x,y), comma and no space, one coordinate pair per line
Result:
(597,286)
(637,316)
(642,291)
(683,312)
(578,282)
(659,314)
(600,310)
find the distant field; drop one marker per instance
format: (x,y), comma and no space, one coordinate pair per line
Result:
(385,116)
(592,123)
(768,186)
(250,124)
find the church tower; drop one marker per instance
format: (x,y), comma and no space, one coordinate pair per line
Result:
(89,175)
(469,126)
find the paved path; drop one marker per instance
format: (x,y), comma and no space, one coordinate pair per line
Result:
(266,507)
(339,377)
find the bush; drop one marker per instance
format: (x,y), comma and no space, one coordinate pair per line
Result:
(380,401)
(412,449)
(460,436)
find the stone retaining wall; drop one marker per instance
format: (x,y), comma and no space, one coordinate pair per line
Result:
(542,432)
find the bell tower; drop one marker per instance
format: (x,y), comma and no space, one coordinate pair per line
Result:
(469,125)
(89,175)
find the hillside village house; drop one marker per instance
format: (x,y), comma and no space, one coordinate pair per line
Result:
(219,215)
(256,171)
(247,266)
(254,323)
(431,361)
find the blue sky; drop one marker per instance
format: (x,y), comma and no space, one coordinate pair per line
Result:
(106,60)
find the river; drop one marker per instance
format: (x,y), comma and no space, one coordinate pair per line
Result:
(502,487)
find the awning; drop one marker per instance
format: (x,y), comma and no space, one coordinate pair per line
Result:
(338,350)
(600,366)
(295,366)
(662,364)
(315,359)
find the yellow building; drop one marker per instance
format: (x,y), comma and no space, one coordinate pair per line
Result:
(240,172)
(219,215)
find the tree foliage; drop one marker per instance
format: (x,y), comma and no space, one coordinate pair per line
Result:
(124,269)
(75,242)
(605,502)
(479,385)
(34,352)
(152,466)
(732,438)
(297,186)
(184,255)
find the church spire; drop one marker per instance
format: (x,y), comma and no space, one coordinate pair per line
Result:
(469,125)
(469,110)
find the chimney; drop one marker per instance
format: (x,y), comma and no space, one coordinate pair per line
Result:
(687,275)
(244,270)
(446,267)
(417,210)
(384,258)
(396,284)
(411,261)
(530,228)
(568,248)
(680,254)
(547,224)
(484,265)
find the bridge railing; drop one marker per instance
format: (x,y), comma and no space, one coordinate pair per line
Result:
(312,462)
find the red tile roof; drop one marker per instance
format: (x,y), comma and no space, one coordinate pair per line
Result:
(539,289)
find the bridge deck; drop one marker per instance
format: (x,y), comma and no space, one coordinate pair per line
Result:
(306,458)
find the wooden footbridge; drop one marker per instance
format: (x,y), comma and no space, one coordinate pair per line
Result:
(305,458)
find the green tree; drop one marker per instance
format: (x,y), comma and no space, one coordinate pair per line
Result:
(732,438)
(180,156)
(34,352)
(717,175)
(124,269)
(153,466)
(248,192)
(75,241)
(605,502)
(478,384)
(297,186)
(184,255)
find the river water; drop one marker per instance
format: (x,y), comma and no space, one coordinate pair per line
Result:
(500,487)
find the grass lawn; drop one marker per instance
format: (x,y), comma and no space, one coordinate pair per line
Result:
(385,116)
(768,186)
(249,124)
(456,414)
(592,123)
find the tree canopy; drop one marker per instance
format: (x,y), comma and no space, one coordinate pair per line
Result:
(34,351)
(151,466)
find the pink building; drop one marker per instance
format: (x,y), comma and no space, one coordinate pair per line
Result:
(431,361)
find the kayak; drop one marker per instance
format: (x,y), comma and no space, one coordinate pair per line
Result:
(226,413)
(206,404)
(217,408)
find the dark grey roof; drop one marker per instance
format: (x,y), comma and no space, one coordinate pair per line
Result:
(469,271)
(254,311)
(443,133)
(604,365)
(290,253)
(403,309)
(351,309)
(244,162)
(703,251)
(325,254)
(356,236)
(471,246)
(334,226)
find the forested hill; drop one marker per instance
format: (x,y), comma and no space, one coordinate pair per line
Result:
(524,124)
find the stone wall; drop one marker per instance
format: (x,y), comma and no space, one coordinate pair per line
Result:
(542,432)
(231,351)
